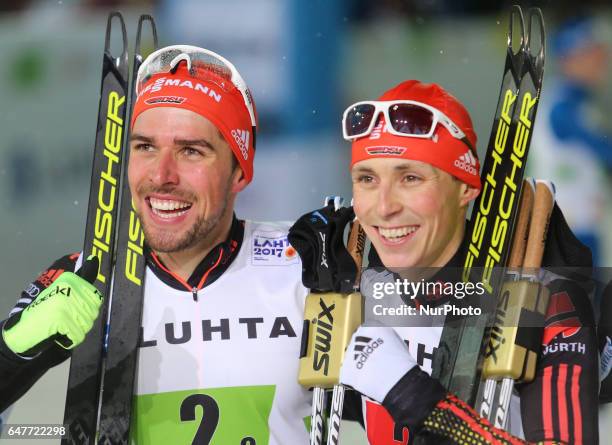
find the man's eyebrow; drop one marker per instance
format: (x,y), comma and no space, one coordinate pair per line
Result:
(149,140)
(140,137)
(198,142)
(403,167)
(408,165)
(363,170)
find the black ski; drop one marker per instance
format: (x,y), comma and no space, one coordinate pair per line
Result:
(458,359)
(126,298)
(82,397)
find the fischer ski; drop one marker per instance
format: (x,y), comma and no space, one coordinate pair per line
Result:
(458,359)
(108,357)
(126,299)
(82,399)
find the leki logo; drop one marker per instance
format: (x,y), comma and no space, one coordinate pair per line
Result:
(242,139)
(165,100)
(385,150)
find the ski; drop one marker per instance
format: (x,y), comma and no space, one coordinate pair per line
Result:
(82,399)
(458,359)
(127,293)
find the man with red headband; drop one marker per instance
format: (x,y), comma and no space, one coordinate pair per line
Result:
(223,299)
(414,171)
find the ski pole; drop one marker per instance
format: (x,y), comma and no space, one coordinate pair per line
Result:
(513,347)
(515,261)
(356,247)
(329,322)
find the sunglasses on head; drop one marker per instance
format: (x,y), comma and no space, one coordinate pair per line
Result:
(403,117)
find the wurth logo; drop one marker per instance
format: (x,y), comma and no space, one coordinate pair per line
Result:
(242,139)
(553,348)
(364,347)
(467,162)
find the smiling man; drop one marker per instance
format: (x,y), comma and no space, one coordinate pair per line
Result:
(223,300)
(414,171)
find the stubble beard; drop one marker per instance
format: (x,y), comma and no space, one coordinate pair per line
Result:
(168,241)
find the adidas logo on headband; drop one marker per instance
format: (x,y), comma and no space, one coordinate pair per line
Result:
(466,162)
(242,139)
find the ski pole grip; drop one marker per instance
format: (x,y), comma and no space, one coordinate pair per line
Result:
(356,246)
(521,232)
(544,201)
(330,319)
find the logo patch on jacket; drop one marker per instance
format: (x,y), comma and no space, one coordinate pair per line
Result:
(272,249)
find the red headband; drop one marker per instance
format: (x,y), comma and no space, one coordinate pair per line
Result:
(442,151)
(208,96)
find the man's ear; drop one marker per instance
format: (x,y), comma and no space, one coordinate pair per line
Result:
(467,193)
(239,181)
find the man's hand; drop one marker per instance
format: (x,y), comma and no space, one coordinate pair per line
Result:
(374,361)
(64,313)
(318,237)
(377,363)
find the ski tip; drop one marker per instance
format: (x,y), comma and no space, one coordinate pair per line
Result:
(516,13)
(146,18)
(109,30)
(536,25)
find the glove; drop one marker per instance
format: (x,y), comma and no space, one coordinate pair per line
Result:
(377,363)
(63,313)
(375,360)
(318,238)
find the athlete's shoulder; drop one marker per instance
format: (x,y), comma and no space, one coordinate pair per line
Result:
(569,299)
(569,327)
(279,226)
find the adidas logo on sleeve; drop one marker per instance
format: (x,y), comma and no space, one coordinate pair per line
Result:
(467,162)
